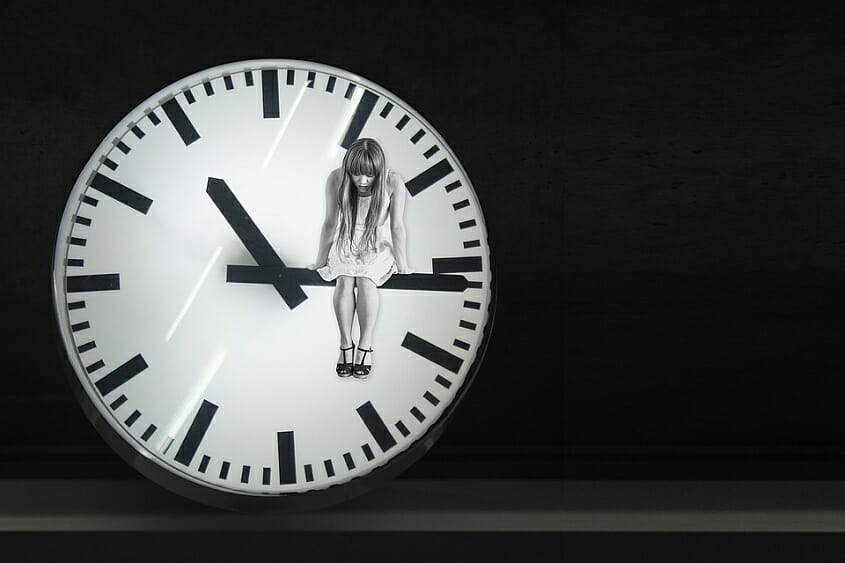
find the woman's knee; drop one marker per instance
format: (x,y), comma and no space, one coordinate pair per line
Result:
(365,284)
(345,283)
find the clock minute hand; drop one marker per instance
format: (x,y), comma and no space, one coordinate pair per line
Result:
(255,242)
(304,276)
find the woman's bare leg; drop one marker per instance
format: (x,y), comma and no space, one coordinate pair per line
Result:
(344,308)
(368,302)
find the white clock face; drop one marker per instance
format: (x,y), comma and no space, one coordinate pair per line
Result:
(222,379)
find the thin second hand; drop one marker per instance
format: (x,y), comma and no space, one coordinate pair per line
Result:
(194,293)
(191,399)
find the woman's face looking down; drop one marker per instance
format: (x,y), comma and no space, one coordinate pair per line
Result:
(362,181)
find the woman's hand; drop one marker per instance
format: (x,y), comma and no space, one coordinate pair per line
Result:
(403,269)
(315,266)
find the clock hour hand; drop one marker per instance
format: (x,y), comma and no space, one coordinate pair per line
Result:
(304,276)
(255,242)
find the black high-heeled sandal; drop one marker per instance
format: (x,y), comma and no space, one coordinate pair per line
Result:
(361,370)
(344,369)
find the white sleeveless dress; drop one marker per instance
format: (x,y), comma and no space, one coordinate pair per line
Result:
(377,263)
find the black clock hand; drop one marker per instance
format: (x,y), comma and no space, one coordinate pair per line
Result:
(304,276)
(254,241)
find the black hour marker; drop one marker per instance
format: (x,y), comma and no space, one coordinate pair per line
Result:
(227,80)
(90,200)
(148,432)
(110,163)
(136,414)
(76,305)
(428,177)
(431,398)
(209,89)
(119,192)
(456,264)
(453,186)
(402,428)
(287,459)
(432,353)
(270,93)
(402,122)
(330,84)
(245,474)
(417,136)
(87,346)
(82,220)
(265,478)
(137,131)
(461,204)
(117,402)
(196,432)
(349,91)
(248,77)
(189,96)
(77,241)
(467,324)
(368,452)
(359,119)
(180,121)
(97,282)
(472,243)
(386,110)
(80,326)
(121,375)
(311,78)
(431,152)
(309,473)
(472,305)
(290,77)
(374,423)
(417,414)
(443,381)
(329,467)
(75,262)
(224,470)
(154,118)
(461,344)
(204,463)
(347,458)
(95,366)
(123,148)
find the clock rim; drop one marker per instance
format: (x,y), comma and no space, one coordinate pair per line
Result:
(193,488)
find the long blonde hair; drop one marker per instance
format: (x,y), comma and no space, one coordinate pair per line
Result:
(365,156)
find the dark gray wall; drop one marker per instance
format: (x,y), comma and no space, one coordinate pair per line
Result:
(704,241)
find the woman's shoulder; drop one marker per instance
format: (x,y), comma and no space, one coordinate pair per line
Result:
(394,181)
(335,177)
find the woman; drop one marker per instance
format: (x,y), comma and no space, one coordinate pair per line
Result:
(362,244)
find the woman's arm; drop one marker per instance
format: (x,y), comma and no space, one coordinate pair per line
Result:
(330,222)
(397,222)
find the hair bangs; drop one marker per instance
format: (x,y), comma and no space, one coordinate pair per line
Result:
(361,163)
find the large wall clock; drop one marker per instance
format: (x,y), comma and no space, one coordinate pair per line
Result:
(201,340)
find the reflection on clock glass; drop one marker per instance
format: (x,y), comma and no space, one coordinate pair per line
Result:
(272,277)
